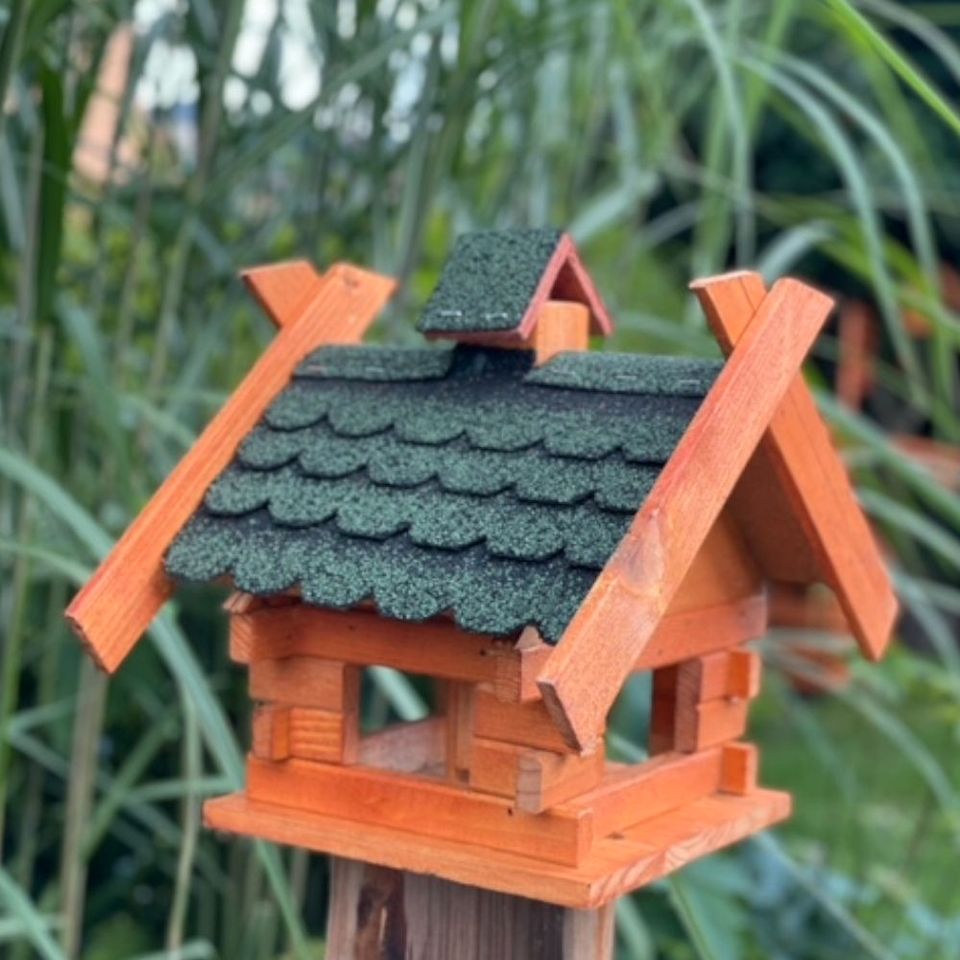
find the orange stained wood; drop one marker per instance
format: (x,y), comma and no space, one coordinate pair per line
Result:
(560,327)
(525,724)
(458,708)
(632,793)
(781,549)
(739,768)
(271,733)
(436,648)
(420,805)
(283,289)
(733,673)
(639,582)
(801,606)
(546,779)
(722,571)
(306,682)
(717,721)
(704,701)
(811,472)
(535,779)
(614,866)
(117,604)
(564,279)
(681,636)
(280,732)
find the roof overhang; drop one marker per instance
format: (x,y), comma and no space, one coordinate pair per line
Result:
(759,400)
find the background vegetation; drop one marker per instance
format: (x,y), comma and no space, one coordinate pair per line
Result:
(674,139)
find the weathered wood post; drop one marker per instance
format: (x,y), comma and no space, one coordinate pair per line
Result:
(382,914)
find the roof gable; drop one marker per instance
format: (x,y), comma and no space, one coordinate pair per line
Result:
(493,281)
(432,481)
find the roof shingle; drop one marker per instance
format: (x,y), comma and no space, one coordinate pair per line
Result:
(459,481)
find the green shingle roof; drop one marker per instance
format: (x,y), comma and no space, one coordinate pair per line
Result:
(489,280)
(461,481)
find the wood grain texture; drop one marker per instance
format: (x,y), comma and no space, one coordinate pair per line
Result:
(435,648)
(306,682)
(639,582)
(535,779)
(458,709)
(281,732)
(381,914)
(546,779)
(115,607)
(739,768)
(723,570)
(632,793)
(560,327)
(420,805)
(682,636)
(525,724)
(283,290)
(614,866)
(704,701)
(810,471)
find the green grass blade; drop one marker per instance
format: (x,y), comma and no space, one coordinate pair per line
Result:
(35,925)
(861,28)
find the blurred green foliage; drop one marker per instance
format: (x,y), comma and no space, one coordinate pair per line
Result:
(673,139)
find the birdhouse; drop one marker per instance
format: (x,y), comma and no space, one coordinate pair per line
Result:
(527,522)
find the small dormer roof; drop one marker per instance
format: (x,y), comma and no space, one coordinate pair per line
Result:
(494,280)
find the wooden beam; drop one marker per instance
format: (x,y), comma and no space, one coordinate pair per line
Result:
(740,768)
(703,702)
(561,326)
(811,472)
(682,636)
(632,793)
(283,290)
(458,700)
(536,779)
(281,732)
(306,682)
(641,854)
(620,615)
(115,607)
(419,805)
(524,724)
(436,648)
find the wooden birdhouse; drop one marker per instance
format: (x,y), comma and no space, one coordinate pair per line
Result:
(528,523)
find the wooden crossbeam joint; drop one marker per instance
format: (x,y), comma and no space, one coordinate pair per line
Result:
(588,667)
(118,603)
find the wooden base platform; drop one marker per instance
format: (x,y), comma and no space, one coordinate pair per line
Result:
(613,866)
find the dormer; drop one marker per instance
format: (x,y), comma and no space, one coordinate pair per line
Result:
(522,288)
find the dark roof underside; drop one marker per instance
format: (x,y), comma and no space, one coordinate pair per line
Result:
(458,481)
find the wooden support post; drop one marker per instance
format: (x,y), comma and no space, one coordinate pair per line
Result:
(380,914)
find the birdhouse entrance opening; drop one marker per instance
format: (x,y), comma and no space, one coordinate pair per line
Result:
(388,742)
